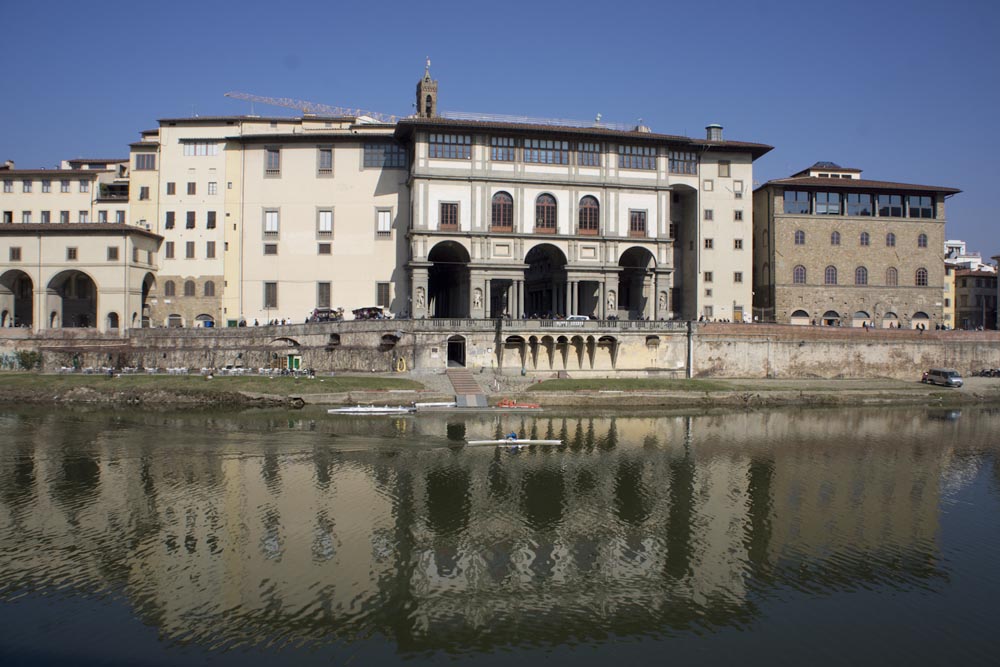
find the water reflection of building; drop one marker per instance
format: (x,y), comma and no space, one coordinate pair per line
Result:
(244,529)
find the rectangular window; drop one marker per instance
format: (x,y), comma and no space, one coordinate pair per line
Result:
(672,230)
(145,161)
(588,154)
(724,168)
(84,186)
(738,277)
(450,146)
(322,295)
(709,244)
(738,216)
(169,222)
(8,217)
(192,189)
(84,216)
(46,217)
(135,255)
(189,250)
(64,217)
(920,207)
(503,149)
(708,276)
(737,244)
(272,162)
(210,250)
(143,192)
(271,223)
(213,188)
(636,223)
(890,206)
(46,186)
(796,202)
(120,217)
(200,148)
(71,254)
(738,189)
(270,295)
(210,220)
(324,161)
(683,162)
(113,254)
(546,151)
(190,221)
(270,248)
(324,248)
(15,254)
(382,294)
(384,223)
(388,156)
(637,157)
(947,303)
(709,214)
(708,185)
(64,186)
(449,216)
(26,217)
(26,186)
(827,203)
(171,188)
(8,185)
(858,204)
(324,223)
(102,216)
(168,250)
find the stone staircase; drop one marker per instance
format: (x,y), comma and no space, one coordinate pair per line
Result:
(467,391)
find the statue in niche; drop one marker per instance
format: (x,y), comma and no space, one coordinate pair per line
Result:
(477,299)
(663,301)
(420,298)
(611,302)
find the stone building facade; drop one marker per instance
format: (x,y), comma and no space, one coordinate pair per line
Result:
(834,249)
(975,299)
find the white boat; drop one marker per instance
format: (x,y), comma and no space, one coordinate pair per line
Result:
(432,406)
(514,443)
(373,410)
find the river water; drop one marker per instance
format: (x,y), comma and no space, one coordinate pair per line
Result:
(867,536)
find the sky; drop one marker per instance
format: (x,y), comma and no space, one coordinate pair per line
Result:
(906,90)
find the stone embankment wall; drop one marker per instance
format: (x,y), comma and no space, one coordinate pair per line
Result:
(622,349)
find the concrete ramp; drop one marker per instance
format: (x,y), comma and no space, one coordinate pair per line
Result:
(467,391)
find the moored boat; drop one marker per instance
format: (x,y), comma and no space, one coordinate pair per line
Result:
(373,410)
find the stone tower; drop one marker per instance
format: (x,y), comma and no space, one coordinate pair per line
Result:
(427,95)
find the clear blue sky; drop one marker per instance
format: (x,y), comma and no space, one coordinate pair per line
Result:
(907,91)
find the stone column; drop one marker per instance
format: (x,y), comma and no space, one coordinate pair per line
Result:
(647,284)
(488,298)
(602,296)
(519,306)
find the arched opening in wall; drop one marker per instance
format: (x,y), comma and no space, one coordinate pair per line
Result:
(204,320)
(562,352)
(653,341)
(333,341)
(890,320)
(545,281)
(175,321)
(800,318)
(515,352)
(112,320)
(859,318)
(635,283)
(73,295)
(831,318)
(919,320)
(578,351)
(456,351)
(607,347)
(448,280)
(388,341)
(16,291)
(285,353)
(148,287)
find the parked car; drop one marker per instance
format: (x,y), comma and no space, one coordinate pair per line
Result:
(946,377)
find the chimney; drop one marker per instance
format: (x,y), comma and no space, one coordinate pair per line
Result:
(713,132)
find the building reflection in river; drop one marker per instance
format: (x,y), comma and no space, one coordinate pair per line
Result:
(239,530)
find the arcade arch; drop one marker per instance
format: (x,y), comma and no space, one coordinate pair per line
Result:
(71,299)
(448,280)
(16,302)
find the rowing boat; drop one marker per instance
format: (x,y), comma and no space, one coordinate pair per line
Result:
(372,410)
(514,443)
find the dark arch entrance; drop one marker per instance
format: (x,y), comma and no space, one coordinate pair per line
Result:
(148,283)
(635,284)
(456,351)
(72,298)
(545,281)
(16,302)
(448,280)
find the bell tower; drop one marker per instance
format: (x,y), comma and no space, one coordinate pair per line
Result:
(427,95)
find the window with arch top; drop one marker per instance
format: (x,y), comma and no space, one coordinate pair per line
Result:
(922,241)
(800,237)
(921,277)
(835,238)
(169,289)
(189,288)
(891,277)
(830,275)
(861,276)
(502,219)
(799,275)
(545,214)
(589,221)
(890,240)
(866,240)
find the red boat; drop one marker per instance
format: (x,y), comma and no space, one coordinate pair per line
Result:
(511,403)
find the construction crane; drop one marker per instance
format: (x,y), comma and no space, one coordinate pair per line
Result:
(314,107)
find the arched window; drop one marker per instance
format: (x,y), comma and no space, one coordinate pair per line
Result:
(209,288)
(835,238)
(890,240)
(169,289)
(861,276)
(589,216)
(830,276)
(799,275)
(503,213)
(922,241)
(921,277)
(545,214)
(800,237)
(189,288)
(891,277)
(865,238)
